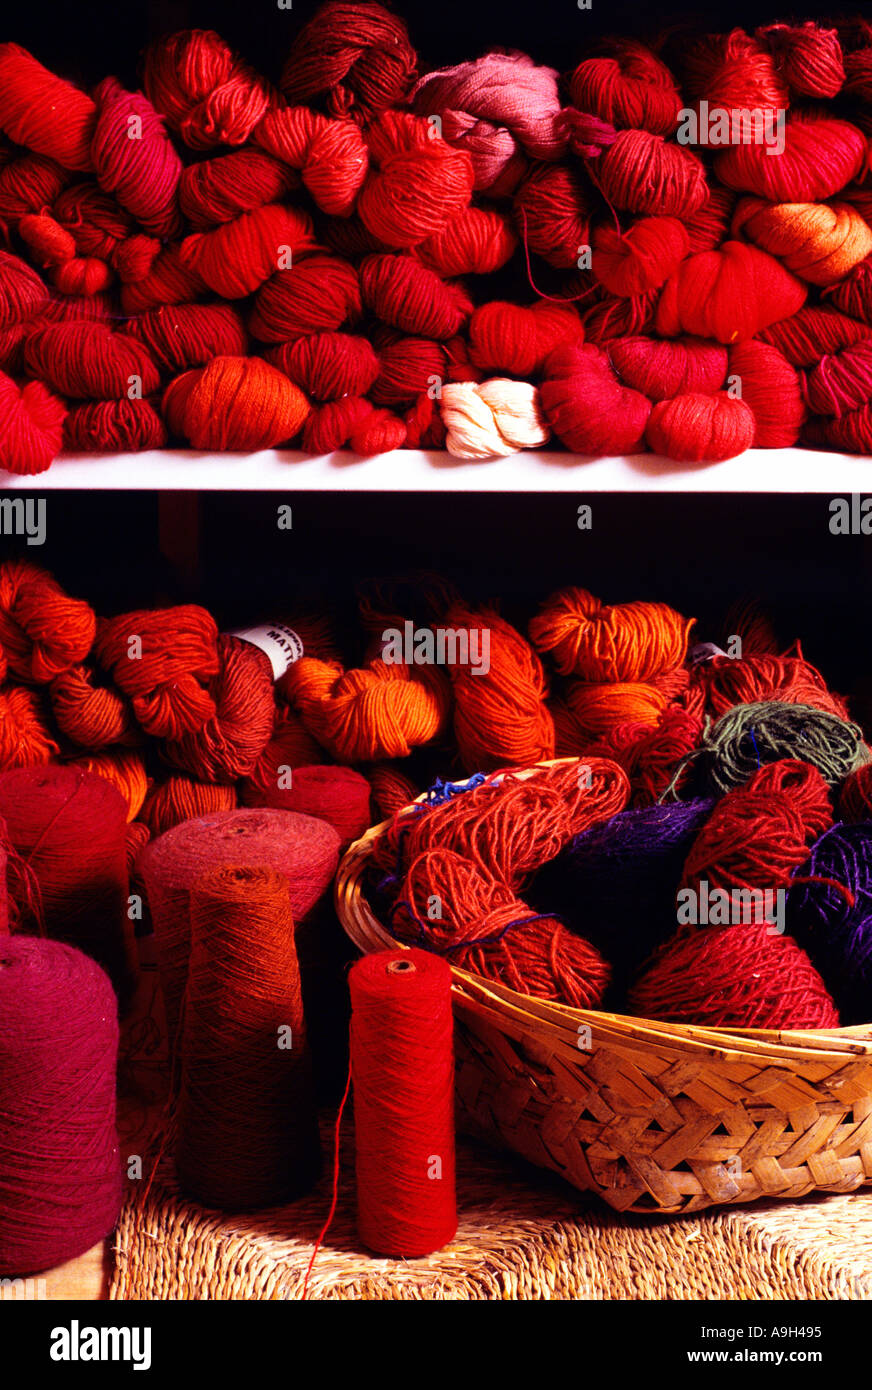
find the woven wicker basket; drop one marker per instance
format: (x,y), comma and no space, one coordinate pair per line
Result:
(654,1117)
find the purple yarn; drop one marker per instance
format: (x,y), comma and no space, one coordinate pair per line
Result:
(616,883)
(838,937)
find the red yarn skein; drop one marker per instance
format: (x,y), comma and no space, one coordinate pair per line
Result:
(587,407)
(337,795)
(701,428)
(661,370)
(357,56)
(135,159)
(43,112)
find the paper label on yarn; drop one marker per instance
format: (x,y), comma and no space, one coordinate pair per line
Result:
(281,644)
(705,651)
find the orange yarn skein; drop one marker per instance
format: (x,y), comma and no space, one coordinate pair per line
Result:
(598,708)
(161,659)
(627,642)
(501,717)
(182,798)
(90,715)
(235,403)
(380,711)
(42,630)
(24,736)
(819,242)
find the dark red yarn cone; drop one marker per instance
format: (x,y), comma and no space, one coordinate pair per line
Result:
(69,828)
(60,1169)
(338,795)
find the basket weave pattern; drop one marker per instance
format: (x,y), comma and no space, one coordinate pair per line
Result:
(654,1117)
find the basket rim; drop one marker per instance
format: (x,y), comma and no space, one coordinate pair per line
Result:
(726,1044)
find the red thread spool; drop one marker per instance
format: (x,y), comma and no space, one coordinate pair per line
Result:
(305,850)
(70,828)
(248,1135)
(402,1068)
(60,1174)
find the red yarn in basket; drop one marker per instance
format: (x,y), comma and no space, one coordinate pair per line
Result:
(484,928)
(760,833)
(734,977)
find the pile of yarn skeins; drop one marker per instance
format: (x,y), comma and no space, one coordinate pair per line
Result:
(701,850)
(665,250)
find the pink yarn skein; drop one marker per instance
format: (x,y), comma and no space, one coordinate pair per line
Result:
(499,109)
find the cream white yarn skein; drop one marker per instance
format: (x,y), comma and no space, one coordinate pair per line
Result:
(492,419)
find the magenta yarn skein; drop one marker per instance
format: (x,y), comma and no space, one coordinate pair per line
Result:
(60,1166)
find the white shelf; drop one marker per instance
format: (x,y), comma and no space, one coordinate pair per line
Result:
(406,470)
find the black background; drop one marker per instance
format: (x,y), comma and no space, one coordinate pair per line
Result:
(86,41)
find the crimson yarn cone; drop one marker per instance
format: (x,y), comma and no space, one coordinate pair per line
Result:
(60,1166)
(247,1131)
(69,827)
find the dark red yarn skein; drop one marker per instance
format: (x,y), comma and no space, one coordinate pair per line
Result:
(759,833)
(60,1170)
(69,827)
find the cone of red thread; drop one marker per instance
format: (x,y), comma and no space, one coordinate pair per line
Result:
(305,850)
(247,1131)
(402,1069)
(69,827)
(60,1170)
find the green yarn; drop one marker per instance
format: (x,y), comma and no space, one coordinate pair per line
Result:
(748,736)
